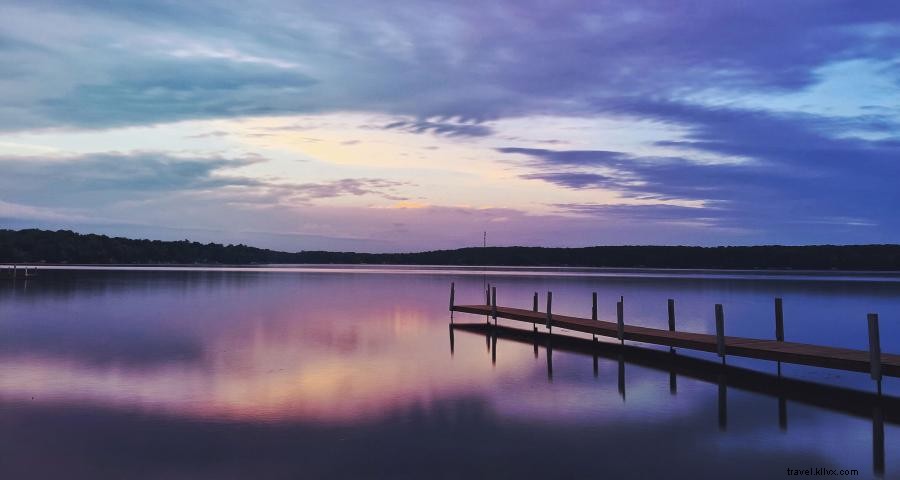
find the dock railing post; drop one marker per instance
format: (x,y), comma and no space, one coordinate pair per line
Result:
(534,303)
(594,310)
(494,304)
(720,331)
(452,294)
(549,307)
(671,315)
(487,302)
(874,349)
(779,320)
(452,298)
(620,321)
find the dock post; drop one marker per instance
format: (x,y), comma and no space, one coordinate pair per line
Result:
(534,308)
(874,349)
(779,320)
(452,297)
(487,302)
(720,331)
(494,304)
(671,315)
(620,321)
(779,325)
(549,315)
(594,311)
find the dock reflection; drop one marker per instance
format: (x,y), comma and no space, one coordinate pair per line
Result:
(876,407)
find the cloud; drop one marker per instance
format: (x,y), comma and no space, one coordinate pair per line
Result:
(792,173)
(446,128)
(146,64)
(574,180)
(92,180)
(348,186)
(152,90)
(657,213)
(211,134)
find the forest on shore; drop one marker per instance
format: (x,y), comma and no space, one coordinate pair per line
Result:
(67,247)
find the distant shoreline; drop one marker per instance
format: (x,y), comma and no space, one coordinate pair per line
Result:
(63,247)
(473,269)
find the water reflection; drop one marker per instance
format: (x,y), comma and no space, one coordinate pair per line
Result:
(838,399)
(337,374)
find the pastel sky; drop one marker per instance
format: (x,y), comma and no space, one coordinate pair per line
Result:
(415,125)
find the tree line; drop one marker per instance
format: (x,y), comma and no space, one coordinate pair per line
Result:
(67,247)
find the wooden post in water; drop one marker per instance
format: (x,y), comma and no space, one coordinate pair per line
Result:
(494,304)
(534,302)
(620,321)
(874,349)
(779,325)
(487,301)
(594,311)
(452,297)
(549,315)
(720,331)
(671,315)
(779,320)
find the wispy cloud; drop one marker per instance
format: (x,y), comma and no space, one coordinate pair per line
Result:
(437,127)
(87,181)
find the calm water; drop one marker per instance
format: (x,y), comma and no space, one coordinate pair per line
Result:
(355,373)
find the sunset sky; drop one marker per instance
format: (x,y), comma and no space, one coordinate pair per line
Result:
(415,125)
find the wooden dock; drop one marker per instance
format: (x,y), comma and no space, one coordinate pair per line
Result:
(775,350)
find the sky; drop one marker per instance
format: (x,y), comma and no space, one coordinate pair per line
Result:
(417,125)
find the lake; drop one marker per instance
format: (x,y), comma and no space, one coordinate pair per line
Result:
(354,372)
